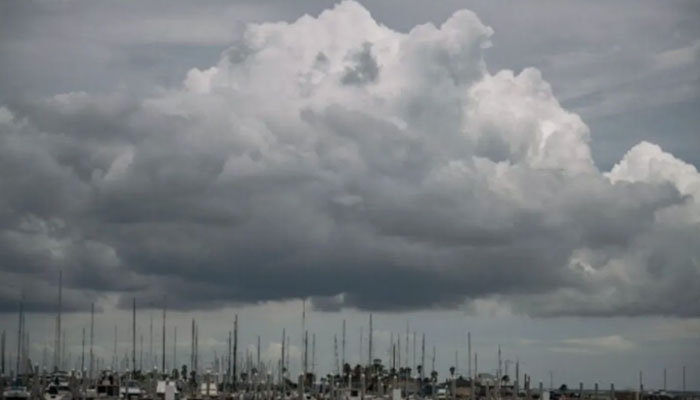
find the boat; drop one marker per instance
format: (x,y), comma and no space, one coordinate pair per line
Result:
(58,390)
(16,392)
(131,391)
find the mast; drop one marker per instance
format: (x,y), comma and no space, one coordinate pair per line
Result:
(306,352)
(20,336)
(406,359)
(92,333)
(343,366)
(133,334)
(304,336)
(114,354)
(150,344)
(335,352)
(370,339)
(57,343)
(141,352)
(175,347)
(229,378)
(82,355)
(235,350)
(313,353)
(282,364)
(192,348)
(258,357)
(469,350)
(422,357)
(163,358)
(414,350)
(2,350)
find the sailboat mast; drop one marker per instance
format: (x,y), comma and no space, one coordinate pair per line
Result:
(133,337)
(304,336)
(163,358)
(343,366)
(235,350)
(2,350)
(57,343)
(282,364)
(82,355)
(20,335)
(370,339)
(469,350)
(92,333)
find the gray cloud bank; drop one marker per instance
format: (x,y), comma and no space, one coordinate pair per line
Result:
(338,159)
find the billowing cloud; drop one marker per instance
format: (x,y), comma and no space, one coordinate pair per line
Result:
(338,159)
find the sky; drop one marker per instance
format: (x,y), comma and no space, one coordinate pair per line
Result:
(524,171)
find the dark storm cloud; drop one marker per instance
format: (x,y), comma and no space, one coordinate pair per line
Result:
(337,159)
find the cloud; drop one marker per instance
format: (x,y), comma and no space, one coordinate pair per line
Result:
(335,158)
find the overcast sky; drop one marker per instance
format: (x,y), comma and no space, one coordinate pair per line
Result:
(523,170)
